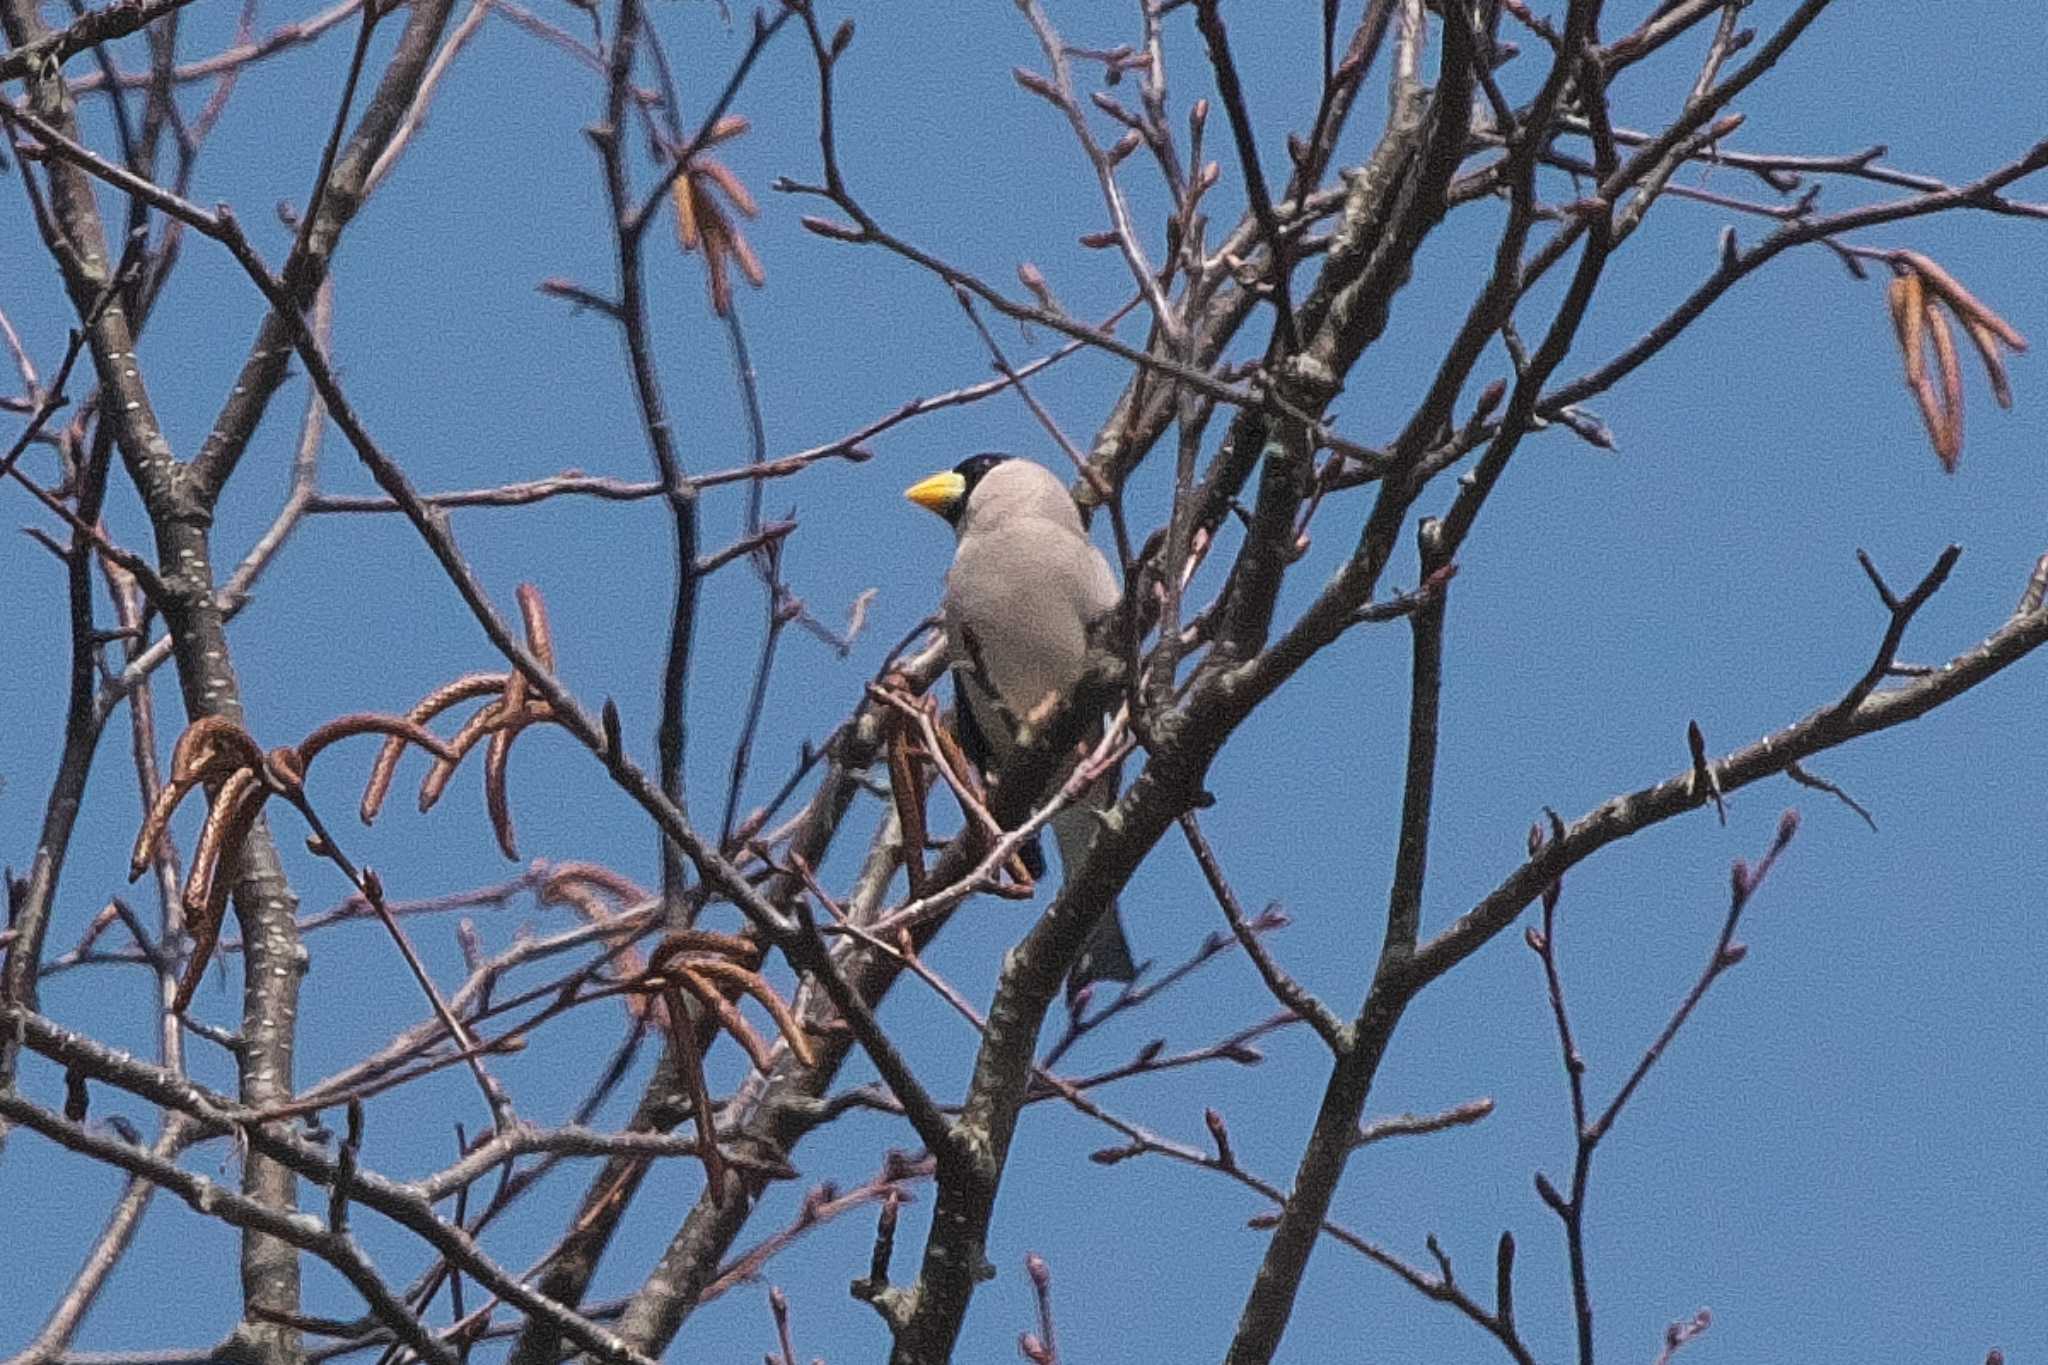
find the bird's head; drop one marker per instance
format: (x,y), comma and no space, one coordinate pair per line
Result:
(993,489)
(947,493)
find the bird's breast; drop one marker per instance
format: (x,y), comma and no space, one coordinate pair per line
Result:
(1017,605)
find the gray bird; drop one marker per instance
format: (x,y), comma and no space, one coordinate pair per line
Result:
(1024,586)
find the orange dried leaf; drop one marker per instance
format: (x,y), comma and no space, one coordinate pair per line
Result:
(1911,311)
(156,822)
(715,251)
(534,614)
(468,737)
(954,763)
(497,801)
(515,693)
(750,1041)
(283,770)
(1931,414)
(207,855)
(211,746)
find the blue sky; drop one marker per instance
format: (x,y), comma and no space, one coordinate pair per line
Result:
(1841,1157)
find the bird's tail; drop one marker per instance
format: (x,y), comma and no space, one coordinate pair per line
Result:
(1107,954)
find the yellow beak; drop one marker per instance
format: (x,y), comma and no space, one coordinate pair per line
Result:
(941,493)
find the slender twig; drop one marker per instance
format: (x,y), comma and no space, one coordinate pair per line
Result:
(1590,1131)
(1060,92)
(1289,992)
(400,1202)
(244,52)
(372,12)
(1412,1125)
(778,606)
(1209,19)
(331,1245)
(371,887)
(122,1225)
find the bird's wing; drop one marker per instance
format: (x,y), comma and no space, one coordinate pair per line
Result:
(973,738)
(1099,590)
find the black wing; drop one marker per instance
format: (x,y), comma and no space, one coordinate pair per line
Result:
(972,741)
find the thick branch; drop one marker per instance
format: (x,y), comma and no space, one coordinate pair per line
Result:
(90,29)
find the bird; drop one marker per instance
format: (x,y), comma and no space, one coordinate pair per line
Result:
(1024,586)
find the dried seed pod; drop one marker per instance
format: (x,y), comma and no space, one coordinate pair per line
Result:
(684,198)
(1986,342)
(1962,300)
(1906,297)
(401,730)
(432,705)
(718,969)
(468,737)
(211,748)
(206,891)
(721,176)
(497,799)
(1948,441)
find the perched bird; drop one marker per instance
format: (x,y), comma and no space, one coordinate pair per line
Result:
(1024,586)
